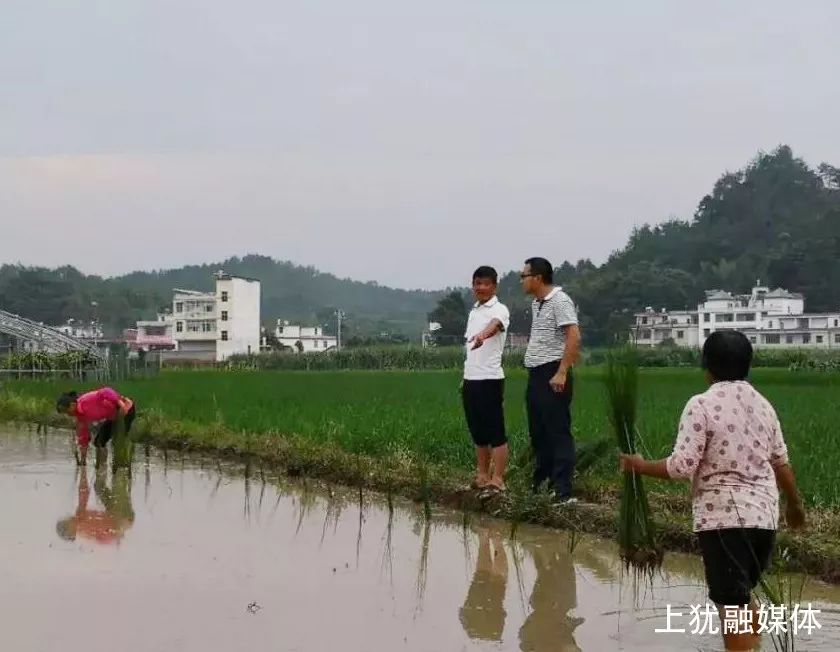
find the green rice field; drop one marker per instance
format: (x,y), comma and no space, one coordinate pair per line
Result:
(419,412)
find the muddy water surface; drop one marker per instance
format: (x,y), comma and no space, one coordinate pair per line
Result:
(188,555)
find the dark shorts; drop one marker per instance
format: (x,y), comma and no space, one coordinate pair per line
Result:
(106,430)
(735,559)
(484,407)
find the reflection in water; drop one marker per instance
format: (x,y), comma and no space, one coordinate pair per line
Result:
(105,526)
(549,625)
(423,565)
(483,613)
(388,545)
(195,554)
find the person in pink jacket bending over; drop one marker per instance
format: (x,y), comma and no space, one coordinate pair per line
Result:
(101,405)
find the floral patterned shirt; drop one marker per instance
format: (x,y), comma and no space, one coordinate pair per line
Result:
(729,443)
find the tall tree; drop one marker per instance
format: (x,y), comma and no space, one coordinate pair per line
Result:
(451,313)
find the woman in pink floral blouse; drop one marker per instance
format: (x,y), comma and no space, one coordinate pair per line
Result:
(730,446)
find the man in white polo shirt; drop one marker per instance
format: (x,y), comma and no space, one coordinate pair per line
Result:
(483,388)
(553,349)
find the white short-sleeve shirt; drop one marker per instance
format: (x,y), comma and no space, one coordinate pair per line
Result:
(485,362)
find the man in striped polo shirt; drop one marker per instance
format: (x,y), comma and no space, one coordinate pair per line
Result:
(552,351)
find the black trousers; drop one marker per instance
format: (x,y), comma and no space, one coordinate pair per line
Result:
(550,428)
(735,559)
(106,430)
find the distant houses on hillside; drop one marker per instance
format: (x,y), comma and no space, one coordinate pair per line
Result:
(769,318)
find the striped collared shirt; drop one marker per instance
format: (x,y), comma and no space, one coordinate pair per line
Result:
(548,317)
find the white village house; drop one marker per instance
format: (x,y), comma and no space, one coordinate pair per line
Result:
(304,339)
(769,318)
(212,326)
(81,330)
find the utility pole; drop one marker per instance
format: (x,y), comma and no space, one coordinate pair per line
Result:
(95,306)
(339,314)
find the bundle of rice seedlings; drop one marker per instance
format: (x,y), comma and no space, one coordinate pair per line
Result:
(123,445)
(636,535)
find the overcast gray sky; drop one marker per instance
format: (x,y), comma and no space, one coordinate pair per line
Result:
(384,140)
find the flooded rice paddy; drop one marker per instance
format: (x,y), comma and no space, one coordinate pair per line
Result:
(192,555)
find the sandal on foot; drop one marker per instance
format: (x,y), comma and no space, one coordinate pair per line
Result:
(491,490)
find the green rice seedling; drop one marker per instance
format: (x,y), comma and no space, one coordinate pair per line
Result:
(123,446)
(425,491)
(781,589)
(636,536)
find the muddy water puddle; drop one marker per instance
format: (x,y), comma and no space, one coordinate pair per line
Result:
(188,555)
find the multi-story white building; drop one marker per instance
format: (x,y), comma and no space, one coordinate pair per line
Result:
(304,339)
(767,317)
(216,325)
(653,328)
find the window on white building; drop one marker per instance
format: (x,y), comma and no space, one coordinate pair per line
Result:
(644,320)
(770,324)
(224,315)
(224,296)
(208,307)
(680,335)
(836,323)
(706,332)
(772,339)
(208,326)
(644,335)
(789,339)
(819,339)
(706,316)
(837,338)
(752,339)
(224,336)
(806,338)
(745,316)
(726,317)
(325,344)
(179,327)
(179,306)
